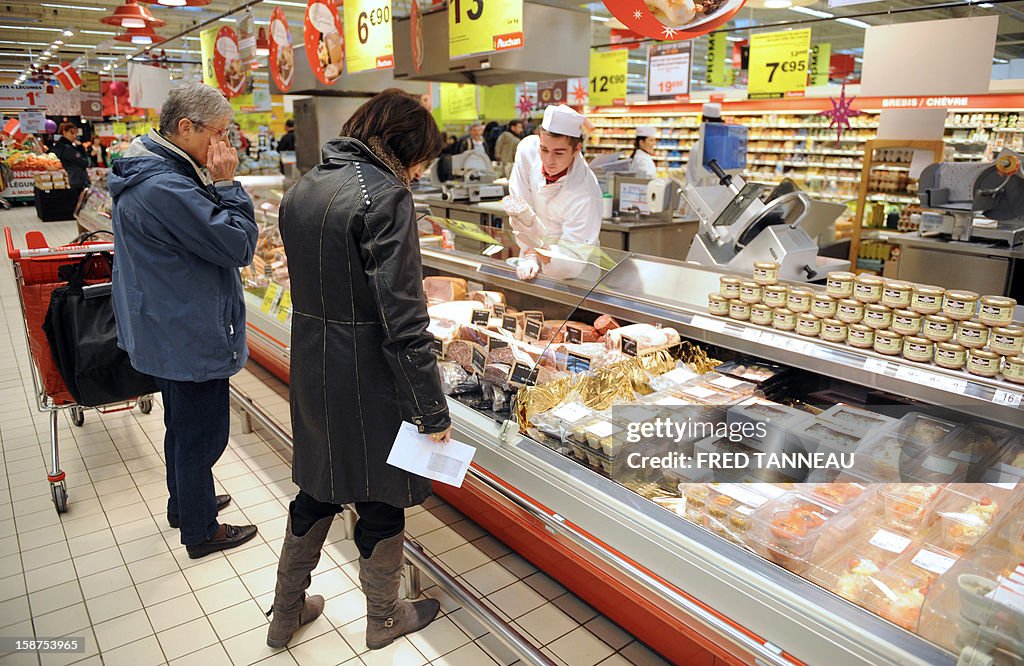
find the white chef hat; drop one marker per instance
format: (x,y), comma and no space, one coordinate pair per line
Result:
(712,110)
(644,131)
(562,119)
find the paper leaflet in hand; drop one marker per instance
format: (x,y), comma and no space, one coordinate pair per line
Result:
(419,454)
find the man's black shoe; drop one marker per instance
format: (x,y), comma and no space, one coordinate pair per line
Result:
(233,536)
(222,501)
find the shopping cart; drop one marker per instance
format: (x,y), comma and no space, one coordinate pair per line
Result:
(36,272)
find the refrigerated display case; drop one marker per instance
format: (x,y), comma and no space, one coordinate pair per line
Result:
(743,565)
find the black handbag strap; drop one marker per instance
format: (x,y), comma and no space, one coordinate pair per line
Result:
(81,238)
(75,274)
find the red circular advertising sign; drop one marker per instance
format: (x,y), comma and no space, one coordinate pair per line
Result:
(227,63)
(416,23)
(672,20)
(282,56)
(325,41)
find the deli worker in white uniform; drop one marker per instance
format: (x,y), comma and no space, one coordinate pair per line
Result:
(643,148)
(555,202)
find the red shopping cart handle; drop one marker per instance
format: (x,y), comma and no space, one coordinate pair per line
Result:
(15,253)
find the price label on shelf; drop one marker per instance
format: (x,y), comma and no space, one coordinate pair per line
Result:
(778,63)
(950,384)
(876,365)
(608,77)
(284,309)
(708,324)
(886,540)
(912,375)
(934,562)
(484,26)
(1008,398)
(752,334)
(270,299)
(368,35)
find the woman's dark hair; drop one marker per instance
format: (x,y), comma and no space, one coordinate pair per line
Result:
(400,123)
(64,127)
(636,144)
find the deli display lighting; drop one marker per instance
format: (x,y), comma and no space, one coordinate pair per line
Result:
(778,4)
(81,8)
(285,3)
(68,32)
(132,15)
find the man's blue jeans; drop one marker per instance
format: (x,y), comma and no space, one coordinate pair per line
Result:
(198,419)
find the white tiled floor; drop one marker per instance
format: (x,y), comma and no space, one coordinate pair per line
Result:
(111,570)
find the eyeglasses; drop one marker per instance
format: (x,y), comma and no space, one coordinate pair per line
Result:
(218,132)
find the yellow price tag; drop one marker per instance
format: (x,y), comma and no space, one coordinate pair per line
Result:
(608,77)
(284,310)
(715,69)
(120,128)
(778,63)
(458,102)
(270,298)
(368,42)
(484,26)
(821,57)
(207,46)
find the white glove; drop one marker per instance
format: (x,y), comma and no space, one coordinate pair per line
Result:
(527,268)
(526,226)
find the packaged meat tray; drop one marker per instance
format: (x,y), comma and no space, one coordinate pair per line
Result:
(673,378)
(786,530)
(731,385)
(444,289)
(938,469)
(560,421)
(845,495)
(729,508)
(887,457)
(856,420)
(638,338)
(752,370)
(817,434)
(977,444)
(698,393)
(907,506)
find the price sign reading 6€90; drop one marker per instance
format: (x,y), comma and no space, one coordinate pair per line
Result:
(368,35)
(778,63)
(484,26)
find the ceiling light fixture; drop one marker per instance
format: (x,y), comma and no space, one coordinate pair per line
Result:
(81,8)
(180,3)
(140,36)
(285,3)
(132,15)
(778,4)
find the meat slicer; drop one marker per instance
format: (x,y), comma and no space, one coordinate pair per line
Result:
(737,228)
(975,201)
(469,177)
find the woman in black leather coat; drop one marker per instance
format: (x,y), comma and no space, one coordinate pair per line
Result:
(361,359)
(72,155)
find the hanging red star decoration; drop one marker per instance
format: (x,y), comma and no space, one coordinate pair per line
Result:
(579,93)
(841,113)
(525,105)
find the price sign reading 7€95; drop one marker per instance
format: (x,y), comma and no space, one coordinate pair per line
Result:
(778,63)
(484,26)
(368,35)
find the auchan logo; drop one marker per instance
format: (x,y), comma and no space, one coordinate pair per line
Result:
(385,62)
(513,40)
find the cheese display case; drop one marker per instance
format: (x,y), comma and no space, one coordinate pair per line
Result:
(803,501)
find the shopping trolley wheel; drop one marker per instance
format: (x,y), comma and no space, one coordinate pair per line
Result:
(146,404)
(60,496)
(77,416)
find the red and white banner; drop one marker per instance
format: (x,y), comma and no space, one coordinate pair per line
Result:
(12,128)
(227,63)
(282,55)
(325,41)
(671,21)
(67,76)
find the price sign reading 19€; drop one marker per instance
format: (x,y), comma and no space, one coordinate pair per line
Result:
(484,26)
(608,77)
(368,35)
(778,63)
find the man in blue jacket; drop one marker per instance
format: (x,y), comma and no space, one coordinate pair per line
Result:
(183,227)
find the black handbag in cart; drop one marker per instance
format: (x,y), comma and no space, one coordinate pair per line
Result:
(82,333)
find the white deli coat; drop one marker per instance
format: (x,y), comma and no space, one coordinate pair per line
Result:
(644,166)
(570,209)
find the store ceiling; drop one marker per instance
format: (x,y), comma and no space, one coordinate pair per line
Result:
(29,28)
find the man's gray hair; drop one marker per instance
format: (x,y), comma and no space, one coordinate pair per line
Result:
(197,102)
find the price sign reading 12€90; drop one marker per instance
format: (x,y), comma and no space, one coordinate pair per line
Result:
(484,26)
(368,35)
(778,63)
(608,77)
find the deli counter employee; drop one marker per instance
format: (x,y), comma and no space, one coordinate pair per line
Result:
(643,148)
(555,202)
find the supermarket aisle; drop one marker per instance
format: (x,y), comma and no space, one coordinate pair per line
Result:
(112,571)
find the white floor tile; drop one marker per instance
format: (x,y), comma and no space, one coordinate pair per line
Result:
(517,599)
(249,648)
(174,612)
(489,578)
(163,588)
(325,650)
(122,630)
(581,648)
(546,623)
(115,604)
(145,652)
(238,619)
(439,638)
(399,653)
(215,655)
(222,595)
(187,638)
(209,573)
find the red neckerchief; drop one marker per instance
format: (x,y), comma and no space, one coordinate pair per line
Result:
(556,177)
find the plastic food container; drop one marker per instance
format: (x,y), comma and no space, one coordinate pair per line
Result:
(809,325)
(697,393)
(824,307)
(727,516)
(775,295)
(775,420)
(826,436)
(673,378)
(856,420)
(751,292)
(972,334)
(840,284)
(860,336)
(898,593)
(938,328)
(977,443)
(939,469)
(868,288)
(850,311)
(799,300)
(983,363)
(887,457)
(965,519)
(950,355)
(1013,369)
(833,330)
(751,370)
(739,310)
(718,305)
(1007,340)
(927,299)
(907,505)
(877,316)
(697,495)
(897,294)
(729,286)
(850,569)
(720,382)
(786,530)
(906,322)
(888,343)
(997,310)
(960,305)
(784,319)
(842,495)
(766,272)
(761,314)
(919,350)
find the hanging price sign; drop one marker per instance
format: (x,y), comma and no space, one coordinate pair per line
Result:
(716,71)
(608,77)
(484,26)
(207,46)
(821,57)
(282,56)
(668,71)
(368,35)
(325,44)
(778,64)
